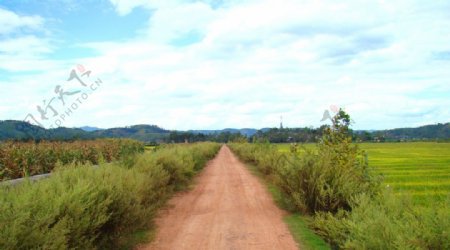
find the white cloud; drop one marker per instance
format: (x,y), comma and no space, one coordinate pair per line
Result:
(253,61)
(24,45)
(25,53)
(168,24)
(11,22)
(125,7)
(21,46)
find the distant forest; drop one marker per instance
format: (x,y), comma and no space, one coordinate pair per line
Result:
(151,134)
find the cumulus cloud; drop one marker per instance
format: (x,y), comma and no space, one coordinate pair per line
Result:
(11,22)
(22,45)
(262,59)
(216,64)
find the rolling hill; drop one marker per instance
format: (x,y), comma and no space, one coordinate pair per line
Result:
(19,130)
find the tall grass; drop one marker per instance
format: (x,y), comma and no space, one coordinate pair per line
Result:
(334,183)
(325,179)
(80,207)
(387,222)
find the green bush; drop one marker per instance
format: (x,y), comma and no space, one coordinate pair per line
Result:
(81,207)
(351,211)
(317,181)
(325,179)
(264,155)
(387,222)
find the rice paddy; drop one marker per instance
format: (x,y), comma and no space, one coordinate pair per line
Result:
(418,169)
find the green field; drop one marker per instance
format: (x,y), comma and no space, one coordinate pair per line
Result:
(419,169)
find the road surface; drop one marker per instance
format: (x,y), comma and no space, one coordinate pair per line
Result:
(227,209)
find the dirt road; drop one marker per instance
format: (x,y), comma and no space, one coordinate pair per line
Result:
(227,209)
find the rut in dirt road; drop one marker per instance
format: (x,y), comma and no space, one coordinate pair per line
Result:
(227,209)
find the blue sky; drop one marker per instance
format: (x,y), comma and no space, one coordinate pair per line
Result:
(217,64)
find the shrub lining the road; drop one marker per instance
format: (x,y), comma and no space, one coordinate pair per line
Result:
(325,179)
(386,222)
(84,208)
(351,210)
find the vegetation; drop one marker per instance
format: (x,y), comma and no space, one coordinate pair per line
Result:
(20,159)
(438,131)
(322,180)
(417,169)
(144,133)
(283,135)
(23,131)
(297,223)
(81,207)
(17,130)
(327,179)
(386,222)
(333,183)
(176,136)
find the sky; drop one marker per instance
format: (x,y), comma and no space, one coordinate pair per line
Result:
(217,64)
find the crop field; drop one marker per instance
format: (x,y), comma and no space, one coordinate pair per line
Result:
(419,169)
(20,159)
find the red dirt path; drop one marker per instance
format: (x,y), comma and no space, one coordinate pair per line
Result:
(227,209)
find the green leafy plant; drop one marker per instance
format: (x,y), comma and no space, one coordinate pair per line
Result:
(80,207)
(20,159)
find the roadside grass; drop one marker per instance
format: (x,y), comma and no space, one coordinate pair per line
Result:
(150,148)
(140,237)
(296,222)
(298,225)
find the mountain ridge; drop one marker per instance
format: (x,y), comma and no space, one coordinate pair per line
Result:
(19,130)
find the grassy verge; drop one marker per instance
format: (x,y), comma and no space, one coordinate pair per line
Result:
(140,237)
(296,222)
(298,225)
